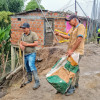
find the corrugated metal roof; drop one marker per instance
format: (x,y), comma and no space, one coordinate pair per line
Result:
(25,12)
(38,10)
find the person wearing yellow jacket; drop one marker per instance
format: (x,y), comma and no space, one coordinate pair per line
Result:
(98,38)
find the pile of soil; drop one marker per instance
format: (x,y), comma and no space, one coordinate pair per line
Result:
(49,56)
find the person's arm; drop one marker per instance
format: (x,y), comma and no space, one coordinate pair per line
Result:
(63,36)
(29,44)
(80,36)
(75,46)
(35,43)
(21,46)
(77,43)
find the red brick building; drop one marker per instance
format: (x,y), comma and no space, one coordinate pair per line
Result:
(38,24)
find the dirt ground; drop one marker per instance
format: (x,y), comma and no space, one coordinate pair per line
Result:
(89,83)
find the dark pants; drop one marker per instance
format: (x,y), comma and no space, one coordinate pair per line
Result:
(98,40)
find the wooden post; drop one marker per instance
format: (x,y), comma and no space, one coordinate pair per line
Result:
(12,58)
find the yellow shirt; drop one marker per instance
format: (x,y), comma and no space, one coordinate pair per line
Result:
(74,33)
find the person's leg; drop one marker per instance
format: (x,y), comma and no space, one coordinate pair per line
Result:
(29,73)
(31,59)
(74,83)
(71,89)
(97,40)
(26,64)
(77,79)
(77,74)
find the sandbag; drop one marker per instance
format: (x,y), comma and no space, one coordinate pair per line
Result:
(63,72)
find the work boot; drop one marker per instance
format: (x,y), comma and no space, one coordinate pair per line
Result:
(36,79)
(29,78)
(70,91)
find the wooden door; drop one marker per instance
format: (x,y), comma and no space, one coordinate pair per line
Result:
(48,34)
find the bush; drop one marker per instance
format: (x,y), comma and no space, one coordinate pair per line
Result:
(5,19)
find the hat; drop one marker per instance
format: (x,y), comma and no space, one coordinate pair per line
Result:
(71,17)
(25,25)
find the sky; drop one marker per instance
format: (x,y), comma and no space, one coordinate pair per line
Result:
(56,5)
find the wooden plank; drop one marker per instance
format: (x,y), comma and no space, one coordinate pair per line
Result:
(12,58)
(14,72)
(48,32)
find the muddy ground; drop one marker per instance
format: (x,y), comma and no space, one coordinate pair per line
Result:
(89,83)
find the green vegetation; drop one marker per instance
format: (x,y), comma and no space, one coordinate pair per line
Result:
(11,5)
(4,47)
(32,5)
(5,18)
(7,8)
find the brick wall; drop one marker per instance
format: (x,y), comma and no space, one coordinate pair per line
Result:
(36,21)
(59,21)
(60,24)
(36,25)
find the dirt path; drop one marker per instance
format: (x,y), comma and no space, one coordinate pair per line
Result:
(89,88)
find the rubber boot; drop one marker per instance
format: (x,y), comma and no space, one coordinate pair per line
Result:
(36,79)
(29,78)
(70,91)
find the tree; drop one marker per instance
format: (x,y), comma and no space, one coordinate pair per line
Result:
(15,5)
(3,5)
(11,5)
(5,18)
(32,5)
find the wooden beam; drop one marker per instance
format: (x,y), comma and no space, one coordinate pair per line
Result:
(12,58)
(14,72)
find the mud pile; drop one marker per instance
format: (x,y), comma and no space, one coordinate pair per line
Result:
(49,56)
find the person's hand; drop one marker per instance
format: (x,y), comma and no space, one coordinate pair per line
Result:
(57,33)
(22,47)
(24,43)
(69,53)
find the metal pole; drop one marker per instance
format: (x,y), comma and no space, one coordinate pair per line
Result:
(75,8)
(81,9)
(47,21)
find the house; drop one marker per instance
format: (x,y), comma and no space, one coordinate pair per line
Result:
(43,23)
